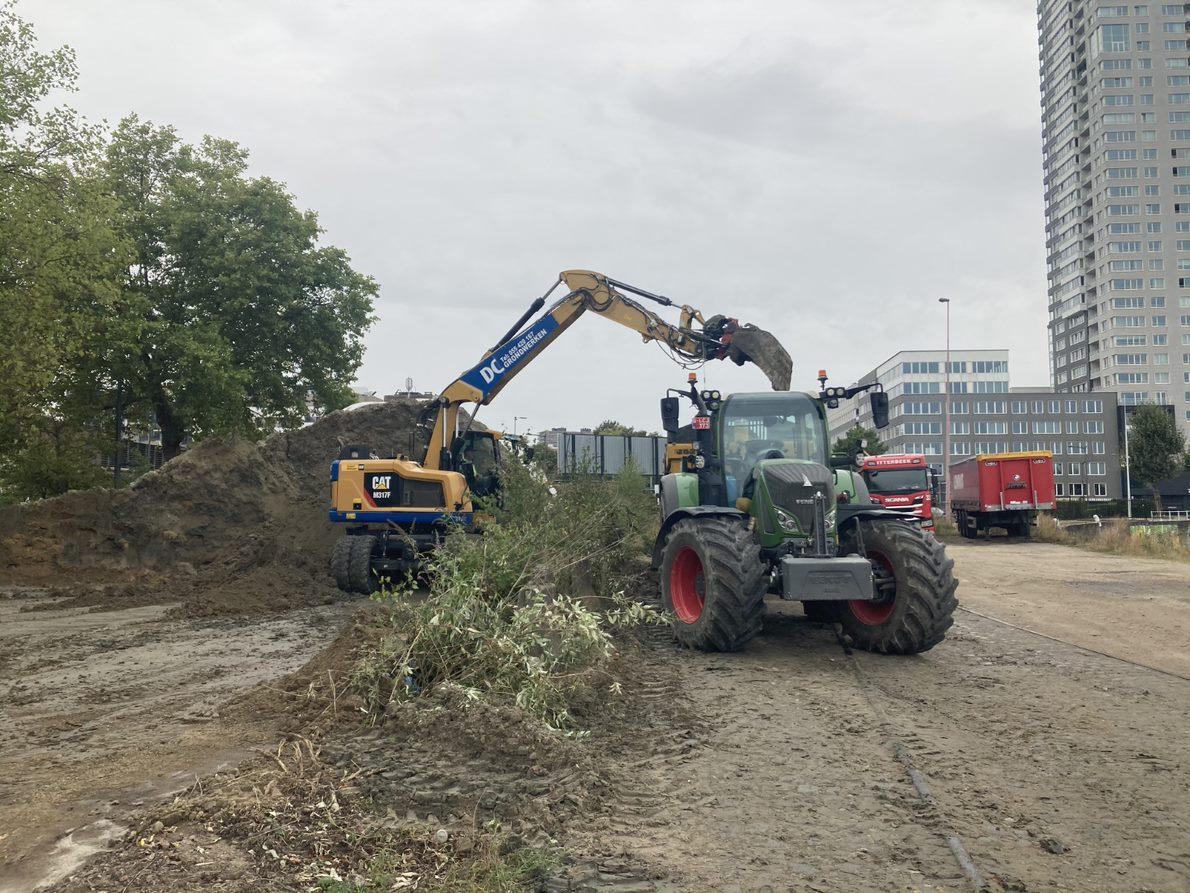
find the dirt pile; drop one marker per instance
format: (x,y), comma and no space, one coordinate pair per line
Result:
(229,526)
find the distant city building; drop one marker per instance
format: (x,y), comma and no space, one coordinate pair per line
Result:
(989,416)
(1115,97)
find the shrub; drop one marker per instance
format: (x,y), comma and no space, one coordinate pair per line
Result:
(525,613)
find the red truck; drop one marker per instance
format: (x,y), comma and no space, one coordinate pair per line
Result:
(900,483)
(1003,490)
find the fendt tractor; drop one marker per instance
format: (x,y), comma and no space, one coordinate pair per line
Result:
(752,503)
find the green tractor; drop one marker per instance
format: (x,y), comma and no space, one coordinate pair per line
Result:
(753,504)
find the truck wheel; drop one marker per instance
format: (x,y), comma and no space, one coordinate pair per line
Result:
(713,582)
(917,585)
(360,565)
(341,562)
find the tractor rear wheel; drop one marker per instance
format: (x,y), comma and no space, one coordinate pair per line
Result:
(713,582)
(341,562)
(917,587)
(360,574)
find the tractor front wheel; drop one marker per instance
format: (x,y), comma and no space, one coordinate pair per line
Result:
(915,582)
(713,582)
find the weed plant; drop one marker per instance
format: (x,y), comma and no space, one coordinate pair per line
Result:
(1117,537)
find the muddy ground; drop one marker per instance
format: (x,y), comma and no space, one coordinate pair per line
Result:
(781,768)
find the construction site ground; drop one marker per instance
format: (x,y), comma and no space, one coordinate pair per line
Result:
(784,767)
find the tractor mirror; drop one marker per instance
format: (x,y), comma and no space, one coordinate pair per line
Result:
(670,410)
(879,408)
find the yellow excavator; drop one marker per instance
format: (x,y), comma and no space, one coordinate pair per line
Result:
(395,509)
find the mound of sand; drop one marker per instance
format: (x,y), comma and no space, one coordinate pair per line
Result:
(230,526)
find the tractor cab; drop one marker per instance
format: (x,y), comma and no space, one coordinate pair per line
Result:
(755,430)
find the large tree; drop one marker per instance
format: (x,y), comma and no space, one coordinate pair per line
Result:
(1156,447)
(232,316)
(59,253)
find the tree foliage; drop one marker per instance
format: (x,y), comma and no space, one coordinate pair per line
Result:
(850,442)
(59,255)
(147,277)
(234,317)
(1156,448)
(611,426)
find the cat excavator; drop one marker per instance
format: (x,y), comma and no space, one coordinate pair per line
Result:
(394,510)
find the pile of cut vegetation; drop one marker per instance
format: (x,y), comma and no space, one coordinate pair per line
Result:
(230,526)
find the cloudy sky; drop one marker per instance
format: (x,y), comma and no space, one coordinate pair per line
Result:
(825,170)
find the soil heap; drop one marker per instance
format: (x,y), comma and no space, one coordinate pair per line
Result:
(230,526)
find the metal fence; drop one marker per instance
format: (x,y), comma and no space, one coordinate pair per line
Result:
(606,454)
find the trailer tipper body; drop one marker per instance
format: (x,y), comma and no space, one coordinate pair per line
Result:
(1003,490)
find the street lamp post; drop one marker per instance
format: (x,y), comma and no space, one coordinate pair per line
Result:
(946,420)
(1127,461)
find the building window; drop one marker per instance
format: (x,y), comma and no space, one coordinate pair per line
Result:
(1113,39)
(1099,489)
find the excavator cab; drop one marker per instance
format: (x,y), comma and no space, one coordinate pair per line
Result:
(476,454)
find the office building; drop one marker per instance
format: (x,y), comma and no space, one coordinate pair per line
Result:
(987,415)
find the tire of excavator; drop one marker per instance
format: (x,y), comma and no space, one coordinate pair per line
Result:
(341,562)
(359,570)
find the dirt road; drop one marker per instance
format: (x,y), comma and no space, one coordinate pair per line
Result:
(102,710)
(782,768)
(1057,769)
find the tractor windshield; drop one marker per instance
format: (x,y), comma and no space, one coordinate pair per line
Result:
(785,424)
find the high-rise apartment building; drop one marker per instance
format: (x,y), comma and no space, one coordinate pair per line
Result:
(1115,95)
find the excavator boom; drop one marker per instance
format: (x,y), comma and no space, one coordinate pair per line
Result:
(694,339)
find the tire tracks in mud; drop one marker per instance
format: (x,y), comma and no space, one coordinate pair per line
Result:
(902,752)
(779,779)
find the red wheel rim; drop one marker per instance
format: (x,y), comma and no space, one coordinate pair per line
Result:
(686,585)
(875,613)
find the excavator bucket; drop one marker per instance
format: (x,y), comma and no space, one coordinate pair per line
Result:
(755,345)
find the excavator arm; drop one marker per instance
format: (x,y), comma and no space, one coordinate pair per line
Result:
(694,339)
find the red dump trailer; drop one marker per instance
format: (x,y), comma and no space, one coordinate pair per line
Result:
(1003,490)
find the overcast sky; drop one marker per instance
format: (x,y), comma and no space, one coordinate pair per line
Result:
(825,170)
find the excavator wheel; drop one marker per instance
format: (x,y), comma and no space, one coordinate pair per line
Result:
(713,582)
(359,572)
(341,562)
